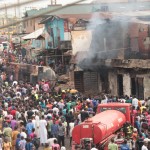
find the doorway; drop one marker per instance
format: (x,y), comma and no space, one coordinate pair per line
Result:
(137,87)
(140,88)
(120,84)
(133,86)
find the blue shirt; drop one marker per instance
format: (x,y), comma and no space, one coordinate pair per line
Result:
(29,146)
(54,129)
(29,127)
(64,111)
(124,147)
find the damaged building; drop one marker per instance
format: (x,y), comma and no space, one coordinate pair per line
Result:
(117,60)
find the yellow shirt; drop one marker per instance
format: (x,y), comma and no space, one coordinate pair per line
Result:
(14,136)
(141,108)
(112,146)
(36,96)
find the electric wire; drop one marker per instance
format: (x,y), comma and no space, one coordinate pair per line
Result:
(41,14)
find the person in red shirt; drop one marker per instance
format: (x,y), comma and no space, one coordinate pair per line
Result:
(13,112)
(78,107)
(49,105)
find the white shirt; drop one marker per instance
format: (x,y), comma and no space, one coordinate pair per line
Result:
(6,104)
(18,94)
(23,134)
(71,126)
(14,83)
(79,117)
(144,147)
(135,102)
(1,143)
(63,148)
(37,87)
(104,101)
(55,109)
(5,113)
(51,141)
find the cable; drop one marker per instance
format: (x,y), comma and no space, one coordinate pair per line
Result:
(41,14)
(18,4)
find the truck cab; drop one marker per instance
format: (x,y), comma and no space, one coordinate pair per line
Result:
(125,108)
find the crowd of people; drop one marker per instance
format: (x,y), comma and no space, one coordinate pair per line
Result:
(35,116)
(137,135)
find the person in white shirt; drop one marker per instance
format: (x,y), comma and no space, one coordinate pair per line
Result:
(144,147)
(63,148)
(135,102)
(5,113)
(55,109)
(23,134)
(37,87)
(94,149)
(14,83)
(71,126)
(1,142)
(105,100)
(51,141)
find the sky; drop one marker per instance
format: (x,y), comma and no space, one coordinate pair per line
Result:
(39,4)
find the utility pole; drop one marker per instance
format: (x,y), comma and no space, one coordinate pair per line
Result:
(6,14)
(18,1)
(15,11)
(19,15)
(6,17)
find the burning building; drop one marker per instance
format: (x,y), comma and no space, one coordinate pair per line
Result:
(117,60)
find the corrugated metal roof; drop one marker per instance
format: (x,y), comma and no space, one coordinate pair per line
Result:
(48,18)
(34,35)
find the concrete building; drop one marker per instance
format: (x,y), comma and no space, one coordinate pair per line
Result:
(116,59)
(31,25)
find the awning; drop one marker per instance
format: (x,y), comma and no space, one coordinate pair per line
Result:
(34,35)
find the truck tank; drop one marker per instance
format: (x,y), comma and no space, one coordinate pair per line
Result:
(99,127)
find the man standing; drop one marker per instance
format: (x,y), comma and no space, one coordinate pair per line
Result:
(7,132)
(61,134)
(22,143)
(43,130)
(112,145)
(54,130)
(135,102)
(124,146)
(144,147)
(29,127)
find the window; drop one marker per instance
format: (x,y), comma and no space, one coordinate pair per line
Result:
(123,110)
(105,108)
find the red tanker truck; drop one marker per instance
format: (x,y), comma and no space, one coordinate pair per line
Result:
(99,129)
